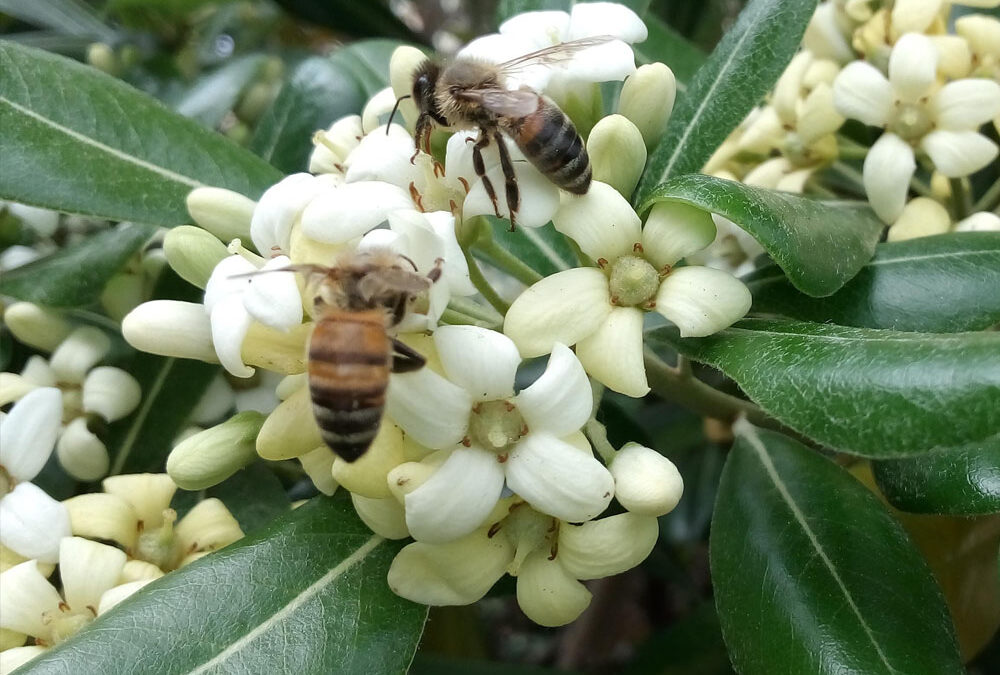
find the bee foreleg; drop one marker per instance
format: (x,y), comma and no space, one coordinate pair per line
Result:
(480,167)
(405,359)
(422,136)
(510,180)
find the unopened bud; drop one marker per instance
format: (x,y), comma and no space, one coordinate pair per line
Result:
(224,213)
(43,221)
(384,517)
(983,221)
(78,353)
(111,393)
(954,56)
(403,63)
(647,99)
(102,57)
(36,326)
(982,33)
(13,387)
(367,475)
(123,293)
(81,453)
(318,465)
(646,482)
(290,430)
(921,217)
(193,253)
(208,458)
(617,153)
(171,328)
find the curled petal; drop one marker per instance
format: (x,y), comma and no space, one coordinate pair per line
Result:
(278,209)
(887,171)
(912,66)
(557,479)
(351,210)
(32,523)
(547,593)
(674,231)
(457,573)
(457,498)
(434,411)
(230,323)
(701,300)
(380,104)
(612,354)
(28,432)
(88,569)
(602,548)
(959,153)
(229,277)
(565,307)
(965,105)
(561,400)
(602,222)
(456,269)
(25,595)
(862,93)
(318,465)
(110,392)
(274,299)
(483,362)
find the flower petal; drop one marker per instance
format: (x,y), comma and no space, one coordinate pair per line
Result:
(14,658)
(171,328)
(78,353)
(605,18)
(149,494)
(384,157)
(88,569)
(97,515)
(862,93)
(351,210)
(701,300)
(561,400)
(674,231)
(557,479)
(544,28)
(646,482)
(912,66)
(428,407)
(230,323)
(367,475)
(979,222)
(887,172)
(278,208)
(385,517)
(539,196)
(111,393)
(25,595)
(965,105)
(958,153)
(547,593)
(612,354)
(457,498)
(457,573)
(206,527)
(229,277)
(32,523)
(565,307)
(913,16)
(608,62)
(28,432)
(602,222)
(483,362)
(274,299)
(602,548)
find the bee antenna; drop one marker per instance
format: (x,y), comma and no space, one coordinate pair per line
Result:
(393,113)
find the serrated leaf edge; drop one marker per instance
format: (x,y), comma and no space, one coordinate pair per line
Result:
(743,429)
(314,589)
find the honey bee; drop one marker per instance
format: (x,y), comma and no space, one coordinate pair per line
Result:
(351,353)
(468,94)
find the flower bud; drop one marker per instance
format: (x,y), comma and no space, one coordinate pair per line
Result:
(193,253)
(102,57)
(983,221)
(367,475)
(318,465)
(290,430)
(547,593)
(103,516)
(78,353)
(954,56)
(123,293)
(982,32)
(403,63)
(13,387)
(384,517)
(81,453)
(921,217)
(646,482)
(36,326)
(647,99)
(111,393)
(171,328)
(617,153)
(224,213)
(212,456)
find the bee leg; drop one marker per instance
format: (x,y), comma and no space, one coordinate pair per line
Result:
(405,359)
(510,180)
(421,136)
(436,271)
(480,167)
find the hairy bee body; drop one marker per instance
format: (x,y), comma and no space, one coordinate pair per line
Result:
(551,143)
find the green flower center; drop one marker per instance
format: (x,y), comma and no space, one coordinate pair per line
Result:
(496,425)
(910,121)
(157,546)
(633,281)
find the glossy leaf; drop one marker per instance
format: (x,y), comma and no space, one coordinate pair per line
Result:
(796,231)
(69,17)
(74,276)
(215,94)
(965,481)
(741,70)
(943,284)
(812,575)
(77,140)
(253,495)
(875,393)
(307,594)
(540,248)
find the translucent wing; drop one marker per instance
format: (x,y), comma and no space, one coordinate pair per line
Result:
(515,103)
(555,54)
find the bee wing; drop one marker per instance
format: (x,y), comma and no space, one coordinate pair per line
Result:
(517,103)
(554,55)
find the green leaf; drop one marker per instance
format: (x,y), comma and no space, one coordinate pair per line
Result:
(812,575)
(360,19)
(320,91)
(796,231)
(961,482)
(69,17)
(666,45)
(943,284)
(875,393)
(307,594)
(253,495)
(215,94)
(75,276)
(741,70)
(543,249)
(75,139)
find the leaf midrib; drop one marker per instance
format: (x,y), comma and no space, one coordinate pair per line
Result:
(897,337)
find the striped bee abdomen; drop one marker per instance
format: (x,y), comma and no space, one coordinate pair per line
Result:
(349,362)
(549,140)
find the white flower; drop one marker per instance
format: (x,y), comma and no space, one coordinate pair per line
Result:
(646,482)
(600,310)
(31,522)
(941,121)
(979,222)
(280,207)
(490,437)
